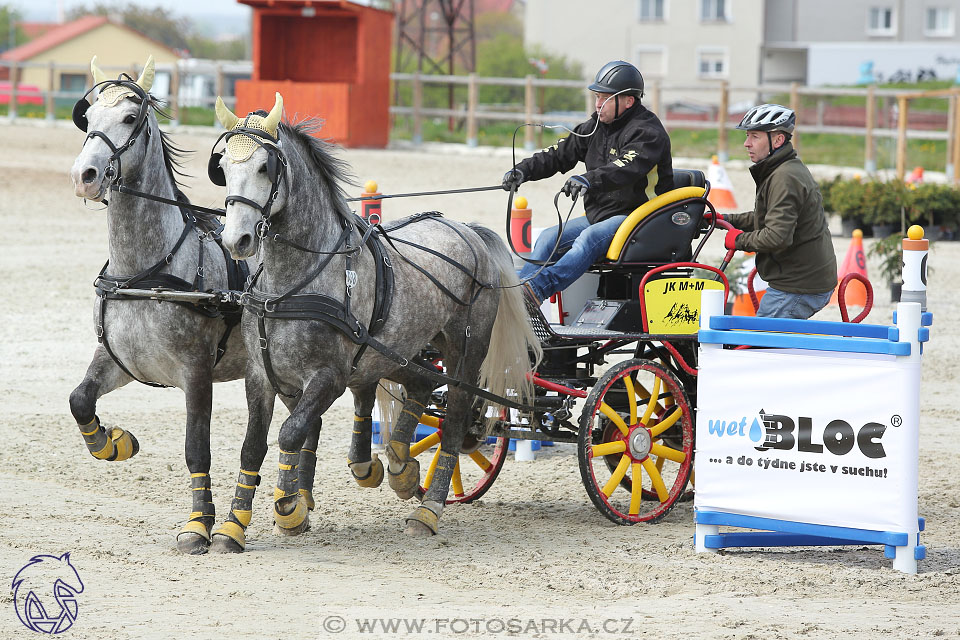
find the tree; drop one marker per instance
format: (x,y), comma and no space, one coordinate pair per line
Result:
(158,24)
(11,35)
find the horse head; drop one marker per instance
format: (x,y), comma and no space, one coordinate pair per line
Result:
(45,593)
(114,122)
(253,168)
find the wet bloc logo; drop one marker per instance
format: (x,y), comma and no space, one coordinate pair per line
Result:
(45,594)
(737,428)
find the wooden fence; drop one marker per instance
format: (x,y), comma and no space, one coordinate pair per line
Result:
(894,103)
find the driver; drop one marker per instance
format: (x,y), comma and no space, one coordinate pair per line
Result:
(626,151)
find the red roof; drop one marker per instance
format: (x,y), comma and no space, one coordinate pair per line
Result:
(498,6)
(53,38)
(36,29)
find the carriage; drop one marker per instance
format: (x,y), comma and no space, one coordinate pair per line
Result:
(619,377)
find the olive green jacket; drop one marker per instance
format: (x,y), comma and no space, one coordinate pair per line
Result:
(788,228)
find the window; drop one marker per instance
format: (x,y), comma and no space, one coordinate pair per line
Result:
(652,61)
(881,21)
(651,10)
(939,22)
(714,10)
(712,63)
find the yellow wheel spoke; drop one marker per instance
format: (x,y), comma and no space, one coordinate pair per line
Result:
(631,398)
(617,476)
(431,470)
(652,402)
(480,460)
(643,394)
(666,423)
(456,482)
(659,463)
(637,489)
(692,483)
(615,418)
(655,479)
(430,421)
(667,453)
(419,447)
(607,448)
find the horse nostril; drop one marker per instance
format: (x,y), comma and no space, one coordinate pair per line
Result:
(89,175)
(244,243)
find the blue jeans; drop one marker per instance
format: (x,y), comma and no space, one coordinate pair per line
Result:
(581,244)
(780,304)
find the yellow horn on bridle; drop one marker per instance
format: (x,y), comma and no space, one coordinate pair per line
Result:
(225,116)
(98,75)
(273,118)
(146,78)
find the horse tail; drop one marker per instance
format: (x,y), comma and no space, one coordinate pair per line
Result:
(514,349)
(390,397)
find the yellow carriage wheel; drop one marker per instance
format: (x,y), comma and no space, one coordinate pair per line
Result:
(479,464)
(635,444)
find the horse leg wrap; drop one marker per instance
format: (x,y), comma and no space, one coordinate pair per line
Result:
(203,515)
(286,493)
(113,445)
(368,474)
(306,472)
(405,480)
(241,509)
(427,514)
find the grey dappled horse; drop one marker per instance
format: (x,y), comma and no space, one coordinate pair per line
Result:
(322,286)
(152,244)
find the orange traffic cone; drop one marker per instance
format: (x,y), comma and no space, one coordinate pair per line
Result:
(721,190)
(742,303)
(854,262)
(916,176)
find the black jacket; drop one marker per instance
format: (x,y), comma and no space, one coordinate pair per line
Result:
(628,162)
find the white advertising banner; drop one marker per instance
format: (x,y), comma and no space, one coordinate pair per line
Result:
(808,436)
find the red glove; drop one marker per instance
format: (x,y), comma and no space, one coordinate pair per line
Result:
(710,215)
(730,241)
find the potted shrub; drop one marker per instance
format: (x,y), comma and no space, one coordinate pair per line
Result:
(936,207)
(848,199)
(889,252)
(886,203)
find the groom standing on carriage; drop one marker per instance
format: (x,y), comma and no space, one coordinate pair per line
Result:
(626,151)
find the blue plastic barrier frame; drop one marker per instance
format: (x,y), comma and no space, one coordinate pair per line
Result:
(787,533)
(818,335)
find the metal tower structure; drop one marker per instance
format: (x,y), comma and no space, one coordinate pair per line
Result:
(437,33)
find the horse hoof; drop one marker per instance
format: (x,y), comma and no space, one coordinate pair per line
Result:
(292,531)
(407,481)
(374,473)
(416,529)
(192,544)
(225,544)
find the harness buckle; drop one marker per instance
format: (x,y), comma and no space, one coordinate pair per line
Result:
(200,270)
(263,344)
(467,331)
(99,330)
(351,279)
(266,306)
(263,227)
(386,261)
(169,258)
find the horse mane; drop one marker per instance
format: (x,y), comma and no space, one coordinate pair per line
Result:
(334,171)
(173,160)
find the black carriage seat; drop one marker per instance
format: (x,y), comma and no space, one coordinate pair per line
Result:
(663,229)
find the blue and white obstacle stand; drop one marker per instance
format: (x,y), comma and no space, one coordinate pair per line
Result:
(810,437)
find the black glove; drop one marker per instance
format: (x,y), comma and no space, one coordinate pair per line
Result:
(575,186)
(513,179)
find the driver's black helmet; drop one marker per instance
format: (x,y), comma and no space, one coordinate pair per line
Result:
(617,76)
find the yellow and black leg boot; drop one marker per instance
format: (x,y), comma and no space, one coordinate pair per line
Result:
(403,471)
(290,513)
(231,536)
(113,445)
(194,538)
(367,469)
(425,520)
(306,472)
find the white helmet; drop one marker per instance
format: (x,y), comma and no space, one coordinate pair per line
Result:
(768,117)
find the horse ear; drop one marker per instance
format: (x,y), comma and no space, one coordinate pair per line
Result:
(273,119)
(225,116)
(146,78)
(98,75)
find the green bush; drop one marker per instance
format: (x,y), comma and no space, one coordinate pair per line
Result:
(848,199)
(935,205)
(826,187)
(884,202)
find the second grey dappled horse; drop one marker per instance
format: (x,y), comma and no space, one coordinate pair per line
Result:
(152,244)
(320,291)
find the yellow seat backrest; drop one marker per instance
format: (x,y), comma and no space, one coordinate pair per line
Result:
(644,211)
